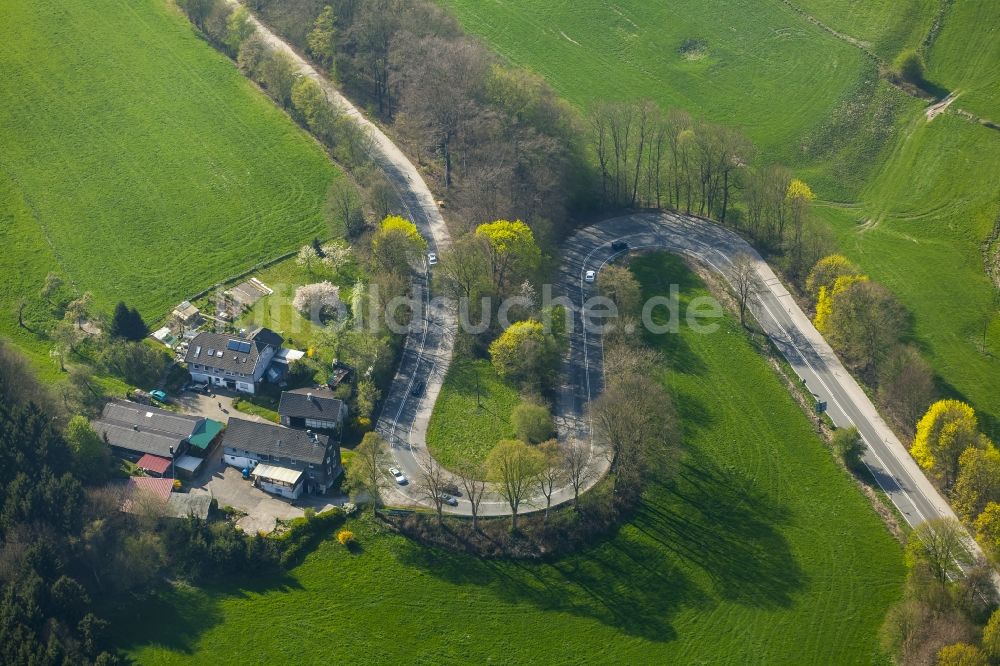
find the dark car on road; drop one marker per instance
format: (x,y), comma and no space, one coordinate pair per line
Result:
(619,245)
(418,389)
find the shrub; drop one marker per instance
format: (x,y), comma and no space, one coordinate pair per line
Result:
(909,67)
(310,513)
(345,537)
(532,422)
(849,446)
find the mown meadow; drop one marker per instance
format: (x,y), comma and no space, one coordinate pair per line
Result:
(910,200)
(760,551)
(137,161)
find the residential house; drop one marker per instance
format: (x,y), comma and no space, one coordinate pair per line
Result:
(136,431)
(281,460)
(230,361)
(314,408)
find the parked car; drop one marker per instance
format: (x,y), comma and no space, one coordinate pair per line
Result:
(432,258)
(619,245)
(399,476)
(590,276)
(448,499)
(418,389)
(159,395)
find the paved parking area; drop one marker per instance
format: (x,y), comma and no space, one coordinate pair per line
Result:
(218,406)
(227,485)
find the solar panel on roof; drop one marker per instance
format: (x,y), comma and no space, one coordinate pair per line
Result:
(233,345)
(245,347)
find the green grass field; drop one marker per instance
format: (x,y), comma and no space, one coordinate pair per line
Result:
(460,429)
(762,552)
(914,200)
(276,311)
(137,161)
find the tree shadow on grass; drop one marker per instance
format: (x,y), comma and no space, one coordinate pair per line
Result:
(709,522)
(175,615)
(625,583)
(717,521)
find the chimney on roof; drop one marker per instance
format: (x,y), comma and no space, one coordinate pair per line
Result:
(309,396)
(135,427)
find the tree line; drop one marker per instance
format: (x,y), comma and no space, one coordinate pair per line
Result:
(497,140)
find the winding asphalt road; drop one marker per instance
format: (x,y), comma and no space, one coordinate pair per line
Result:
(428,350)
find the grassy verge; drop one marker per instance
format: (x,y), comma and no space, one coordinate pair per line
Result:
(762,551)
(461,428)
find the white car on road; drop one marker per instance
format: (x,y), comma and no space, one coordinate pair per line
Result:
(590,276)
(399,476)
(432,258)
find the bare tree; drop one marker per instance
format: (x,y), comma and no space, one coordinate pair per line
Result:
(442,82)
(551,471)
(906,387)
(676,124)
(939,543)
(576,459)
(473,480)
(433,479)
(343,209)
(621,360)
(743,283)
(635,417)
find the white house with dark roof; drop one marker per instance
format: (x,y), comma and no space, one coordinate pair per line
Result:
(281,460)
(229,361)
(314,408)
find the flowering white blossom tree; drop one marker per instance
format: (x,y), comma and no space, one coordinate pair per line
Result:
(317,300)
(336,254)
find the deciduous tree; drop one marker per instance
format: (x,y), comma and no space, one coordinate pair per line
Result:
(577,459)
(525,353)
(511,465)
(939,544)
(947,429)
(366,470)
(91,455)
(961,654)
(635,418)
(827,270)
(473,479)
(431,485)
(978,481)
(513,253)
(551,471)
(532,422)
(318,300)
(397,244)
(320,40)
(743,283)
(619,284)
(239,28)
(277,74)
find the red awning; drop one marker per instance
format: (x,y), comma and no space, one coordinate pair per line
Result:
(154,464)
